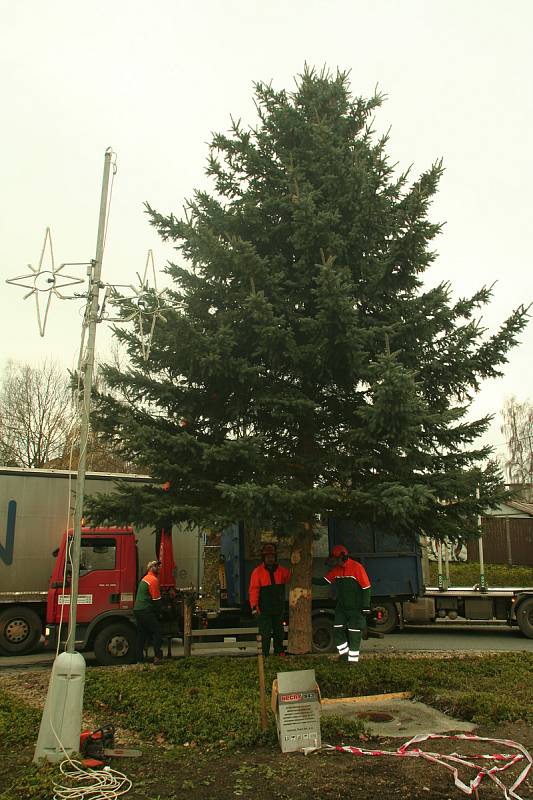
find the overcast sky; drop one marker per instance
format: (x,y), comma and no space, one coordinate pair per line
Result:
(152,80)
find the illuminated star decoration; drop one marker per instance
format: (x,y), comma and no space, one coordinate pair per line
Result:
(45,280)
(144,306)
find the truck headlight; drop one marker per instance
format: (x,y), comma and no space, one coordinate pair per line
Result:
(47,632)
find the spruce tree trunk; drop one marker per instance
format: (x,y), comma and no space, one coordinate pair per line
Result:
(300,627)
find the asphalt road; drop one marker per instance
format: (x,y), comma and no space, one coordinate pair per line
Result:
(447,638)
(440,638)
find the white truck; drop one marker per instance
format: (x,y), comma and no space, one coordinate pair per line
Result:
(35,509)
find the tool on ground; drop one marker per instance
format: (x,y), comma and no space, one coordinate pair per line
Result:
(92,743)
(121,752)
(99,744)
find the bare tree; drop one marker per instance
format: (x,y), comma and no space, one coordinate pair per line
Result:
(101,456)
(517,428)
(39,423)
(36,414)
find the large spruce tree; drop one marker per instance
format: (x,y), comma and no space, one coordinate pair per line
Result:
(304,367)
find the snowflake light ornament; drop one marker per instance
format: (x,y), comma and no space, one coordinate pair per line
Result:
(144,305)
(45,280)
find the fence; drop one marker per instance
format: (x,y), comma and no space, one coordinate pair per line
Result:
(232,639)
(505,541)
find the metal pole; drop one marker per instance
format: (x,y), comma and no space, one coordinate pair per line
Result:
(447,564)
(95,272)
(200,534)
(482,582)
(508,538)
(440,577)
(426,576)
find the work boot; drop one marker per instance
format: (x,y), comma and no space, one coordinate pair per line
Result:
(343,658)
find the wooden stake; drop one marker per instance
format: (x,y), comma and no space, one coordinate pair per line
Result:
(369,698)
(262,693)
(187,625)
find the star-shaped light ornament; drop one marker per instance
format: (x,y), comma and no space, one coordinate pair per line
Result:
(45,280)
(144,305)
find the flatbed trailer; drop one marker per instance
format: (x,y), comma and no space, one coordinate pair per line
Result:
(509,605)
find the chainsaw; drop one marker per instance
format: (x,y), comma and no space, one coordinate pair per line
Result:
(99,744)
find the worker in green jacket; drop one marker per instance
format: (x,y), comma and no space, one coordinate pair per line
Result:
(146,611)
(353,601)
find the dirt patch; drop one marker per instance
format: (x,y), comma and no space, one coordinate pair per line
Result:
(32,686)
(29,686)
(375,716)
(265,774)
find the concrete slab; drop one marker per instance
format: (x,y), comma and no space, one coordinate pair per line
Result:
(396,717)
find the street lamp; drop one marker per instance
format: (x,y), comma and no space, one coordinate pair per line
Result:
(59,733)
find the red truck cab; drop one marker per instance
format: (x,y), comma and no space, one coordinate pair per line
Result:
(106,594)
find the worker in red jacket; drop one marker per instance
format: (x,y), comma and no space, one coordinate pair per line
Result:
(353,601)
(267,598)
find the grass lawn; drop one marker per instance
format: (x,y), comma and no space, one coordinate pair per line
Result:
(197,721)
(467,574)
(208,699)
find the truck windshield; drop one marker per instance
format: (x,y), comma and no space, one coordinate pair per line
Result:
(97,554)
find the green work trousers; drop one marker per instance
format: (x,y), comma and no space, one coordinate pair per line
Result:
(271,625)
(348,625)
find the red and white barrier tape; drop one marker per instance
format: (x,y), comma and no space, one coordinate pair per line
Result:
(452,761)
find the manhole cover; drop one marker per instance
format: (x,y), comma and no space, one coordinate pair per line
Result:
(375,716)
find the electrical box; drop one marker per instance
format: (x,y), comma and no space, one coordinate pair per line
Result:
(296,707)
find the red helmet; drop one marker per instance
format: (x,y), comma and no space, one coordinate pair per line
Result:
(268,550)
(339,551)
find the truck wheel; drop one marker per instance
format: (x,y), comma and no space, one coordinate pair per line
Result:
(20,630)
(524,617)
(116,644)
(323,641)
(389,616)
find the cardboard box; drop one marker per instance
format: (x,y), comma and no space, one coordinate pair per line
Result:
(296,707)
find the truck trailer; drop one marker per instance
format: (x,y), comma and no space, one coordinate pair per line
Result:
(401,592)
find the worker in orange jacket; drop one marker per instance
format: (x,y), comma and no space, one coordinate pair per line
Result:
(267,598)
